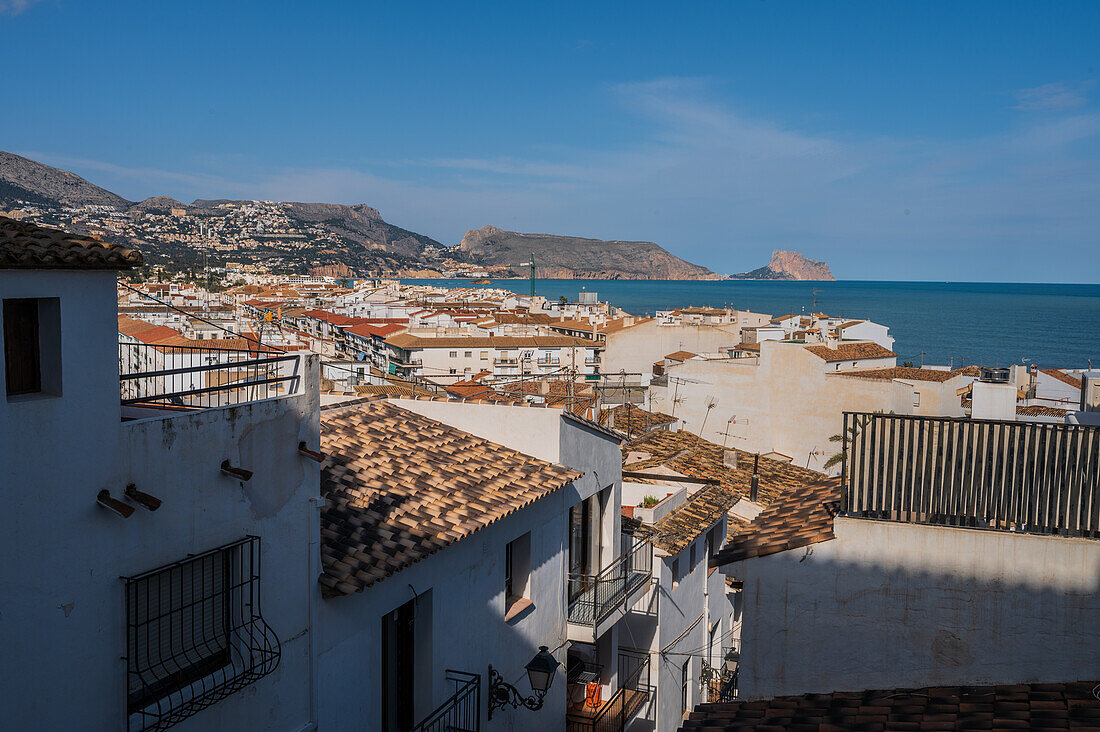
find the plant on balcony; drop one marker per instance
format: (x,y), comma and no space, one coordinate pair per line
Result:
(649,502)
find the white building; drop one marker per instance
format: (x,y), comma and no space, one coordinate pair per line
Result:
(446,359)
(788,401)
(854,584)
(162,562)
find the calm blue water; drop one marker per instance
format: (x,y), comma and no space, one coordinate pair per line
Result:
(952,323)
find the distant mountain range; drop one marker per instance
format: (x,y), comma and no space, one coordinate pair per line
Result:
(570,257)
(333,238)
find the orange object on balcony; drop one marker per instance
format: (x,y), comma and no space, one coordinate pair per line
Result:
(592,694)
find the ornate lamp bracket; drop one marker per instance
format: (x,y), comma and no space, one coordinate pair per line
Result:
(502,694)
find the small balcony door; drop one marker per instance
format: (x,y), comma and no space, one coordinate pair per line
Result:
(398,668)
(580,546)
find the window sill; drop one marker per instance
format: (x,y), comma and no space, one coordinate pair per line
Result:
(517,607)
(34,396)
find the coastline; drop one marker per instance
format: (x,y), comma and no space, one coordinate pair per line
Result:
(942,323)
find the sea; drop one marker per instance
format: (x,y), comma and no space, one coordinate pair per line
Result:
(933,323)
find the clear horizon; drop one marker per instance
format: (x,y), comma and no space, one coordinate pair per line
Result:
(948,143)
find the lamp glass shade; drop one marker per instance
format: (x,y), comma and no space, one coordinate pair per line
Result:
(540,670)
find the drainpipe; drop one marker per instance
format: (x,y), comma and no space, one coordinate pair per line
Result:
(754,488)
(315,503)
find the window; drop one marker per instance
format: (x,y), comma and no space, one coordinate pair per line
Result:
(469,354)
(484,355)
(916,399)
(452,371)
(694,556)
(517,576)
(32,346)
(714,543)
(675,571)
(453,354)
(195,634)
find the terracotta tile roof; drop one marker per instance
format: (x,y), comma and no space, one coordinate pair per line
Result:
(631,420)
(614,326)
(24,245)
(698,513)
(407,340)
(521,318)
(400,487)
(1061,706)
(851,352)
(848,324)
(681,355)
(913,374)
(800,517)
(688,455)
(332,318)
(147,332)
(699,311)
(368,330)
(1063,377)
(391,390)
(1037,410)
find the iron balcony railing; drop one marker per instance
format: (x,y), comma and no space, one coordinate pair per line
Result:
(461,712)
(594,597)
(191,376)
(615,713)
(720,684)
(1002,475)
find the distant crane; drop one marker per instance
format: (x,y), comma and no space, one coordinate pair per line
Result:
(530,264)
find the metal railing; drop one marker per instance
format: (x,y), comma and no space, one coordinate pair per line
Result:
(594,597)
(461,712)
(720,684)
(614,714)
(193,376)
(991,474)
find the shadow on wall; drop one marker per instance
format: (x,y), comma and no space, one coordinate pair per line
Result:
(813,624)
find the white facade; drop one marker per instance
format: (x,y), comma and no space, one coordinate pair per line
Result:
(787,401)
(64,616)
(887,605)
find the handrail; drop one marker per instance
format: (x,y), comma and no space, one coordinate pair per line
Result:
(594,597)
(459,711)
(195,377)
(614,714)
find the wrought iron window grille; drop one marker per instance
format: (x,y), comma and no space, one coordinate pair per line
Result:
(195,635)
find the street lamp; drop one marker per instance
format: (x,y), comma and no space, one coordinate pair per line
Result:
(540,674)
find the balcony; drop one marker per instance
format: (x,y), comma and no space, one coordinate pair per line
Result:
(985,474)
(461,712)
(614,713)
(189,377)
(596,602)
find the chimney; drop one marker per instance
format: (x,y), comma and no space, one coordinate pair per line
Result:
(754,488)
(1090,391)
(994,395)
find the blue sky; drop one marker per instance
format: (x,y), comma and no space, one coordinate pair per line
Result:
(950,141)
